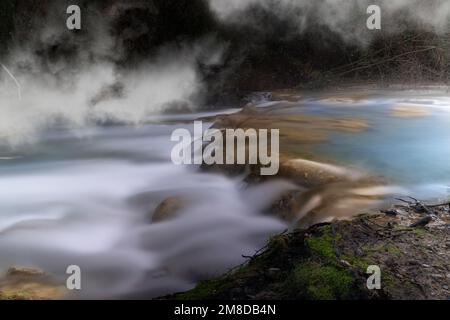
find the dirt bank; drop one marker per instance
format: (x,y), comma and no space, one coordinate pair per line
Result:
(329,261)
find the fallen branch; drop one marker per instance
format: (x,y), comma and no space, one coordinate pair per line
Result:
(405,201)
(420,206)
(19,88)
(439,205)
(421,222)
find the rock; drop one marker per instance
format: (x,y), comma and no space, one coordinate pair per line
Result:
(339,200)
(250,109)
(257,97)
(24,272)
(390,212)
(23,283)
(409,111)
(312,173)
(287,95)
(166,210)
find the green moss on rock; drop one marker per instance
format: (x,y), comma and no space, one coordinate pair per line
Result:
(322,245)
(316,281)
(321,276)
(300,265)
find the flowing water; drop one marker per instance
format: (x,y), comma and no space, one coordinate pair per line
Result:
(407,142)
(85,197)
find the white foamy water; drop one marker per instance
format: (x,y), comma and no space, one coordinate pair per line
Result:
(87,198)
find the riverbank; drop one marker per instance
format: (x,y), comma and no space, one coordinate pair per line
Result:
(329,261)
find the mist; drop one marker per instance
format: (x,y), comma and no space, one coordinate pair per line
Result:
(122,68)
(78,78)
(344,17)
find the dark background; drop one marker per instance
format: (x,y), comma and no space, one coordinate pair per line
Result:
(265,54)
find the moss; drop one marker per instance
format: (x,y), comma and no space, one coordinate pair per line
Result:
(209,289)
(315,273)
(312,280)
(359,262)
(420,232)
(323,245)
(382,247)
(393,250)
(391,284)
(278,242)
(320,277)
(388,281)
(16,295)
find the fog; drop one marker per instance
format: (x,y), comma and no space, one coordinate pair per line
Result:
(84,82)
(346,17)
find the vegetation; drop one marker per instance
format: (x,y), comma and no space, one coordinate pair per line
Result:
(293,266)
(320,276)
(329,261)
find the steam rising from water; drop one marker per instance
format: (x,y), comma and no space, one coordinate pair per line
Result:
(46,100)
(63,88)
(84,82)
(346,17)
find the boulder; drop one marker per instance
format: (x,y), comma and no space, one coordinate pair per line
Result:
(166,210)
(23,283)
(24,272)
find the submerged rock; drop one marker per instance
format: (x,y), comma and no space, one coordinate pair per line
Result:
(409,111)
(23,283)
(257,97)
(339,200)
(166,210)
(313,173)
(325,190)
(24,272)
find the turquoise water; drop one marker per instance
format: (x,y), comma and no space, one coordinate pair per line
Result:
(408,151)
(86,196)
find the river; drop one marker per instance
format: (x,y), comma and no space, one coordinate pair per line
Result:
(86,196)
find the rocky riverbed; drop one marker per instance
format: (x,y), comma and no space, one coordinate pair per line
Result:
(342,216)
